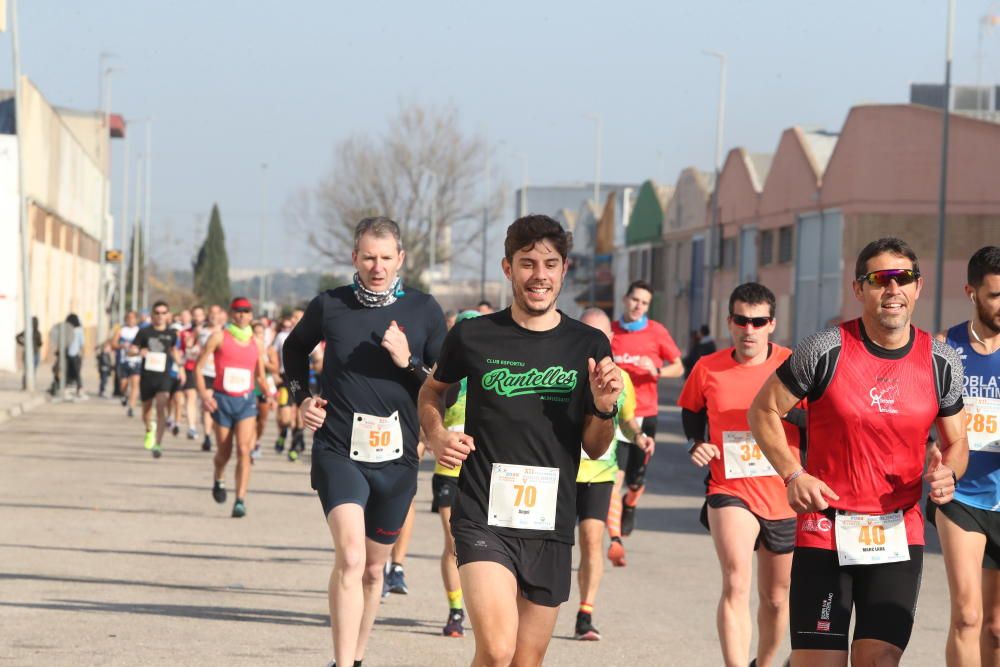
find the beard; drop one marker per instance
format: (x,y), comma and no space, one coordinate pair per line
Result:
(987,318)
(522,301)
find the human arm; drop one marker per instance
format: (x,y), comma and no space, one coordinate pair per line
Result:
(450,448)
(947,463)
(260,369)
(605,386)
(211,344)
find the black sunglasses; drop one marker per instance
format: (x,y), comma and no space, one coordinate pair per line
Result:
(757,322)
(885,276)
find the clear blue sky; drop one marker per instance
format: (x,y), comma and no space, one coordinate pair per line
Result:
(234,84)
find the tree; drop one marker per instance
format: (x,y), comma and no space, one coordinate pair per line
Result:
(211,266)
(135,248)
(424,167)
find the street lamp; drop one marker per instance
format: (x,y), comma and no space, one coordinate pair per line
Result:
(105,141)
(263,226)
(599,126)
(943,192)
(713,246)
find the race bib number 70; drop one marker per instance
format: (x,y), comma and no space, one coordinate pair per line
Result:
(523,497)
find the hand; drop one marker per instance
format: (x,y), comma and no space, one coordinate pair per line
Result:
(451,447)
(208,400)
(395,343)
(181,374)
(313,411)
(703,453)
(940,478)
(647,364)
(605,383)
(646,444)
(809,494)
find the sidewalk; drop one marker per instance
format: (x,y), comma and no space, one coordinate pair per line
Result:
(15,401)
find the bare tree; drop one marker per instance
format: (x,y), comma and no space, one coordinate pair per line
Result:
(424,168)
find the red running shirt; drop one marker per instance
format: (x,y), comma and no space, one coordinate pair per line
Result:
(726,389)
(655,342)
(867,435)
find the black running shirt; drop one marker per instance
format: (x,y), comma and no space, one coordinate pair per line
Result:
(528,393)
(164,341)
(358,373)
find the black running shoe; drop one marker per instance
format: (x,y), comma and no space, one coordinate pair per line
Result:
(279,444)
(219,492)
(585,630)
(157,451)
(175,430)
(239,509)
(454,627)
(206,445)
(628,519)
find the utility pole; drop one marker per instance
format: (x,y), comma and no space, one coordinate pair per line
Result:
(263,228)
(149,208)
(124,232)
(136,227)
(596,117)
(714,244)
(943,192)
(486,225)
(104,146)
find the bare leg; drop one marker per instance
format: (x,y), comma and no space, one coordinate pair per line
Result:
(774,578)
(734,531)
(989,638)
(591,559)
(491,599)
(347,600)
(223,450)
(534,630)
(244,436)
(963,561)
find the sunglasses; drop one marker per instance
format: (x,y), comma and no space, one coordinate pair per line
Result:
(885,276)
(161,312)
(757,322)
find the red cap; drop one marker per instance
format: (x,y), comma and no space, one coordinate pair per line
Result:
(240,303)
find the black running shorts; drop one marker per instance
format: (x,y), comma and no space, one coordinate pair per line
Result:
(151,384)
(592,500)
(883,596)
(444,491)
(385,493)
(776,535)
(635,465)
(189,382)
(972,520)
(543,568)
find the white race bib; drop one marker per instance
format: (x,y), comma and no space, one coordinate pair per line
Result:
(742,456)
(981,417)
(272,388)
(523,497)
(156,362)
(376,439)
(237,380)
(868,539)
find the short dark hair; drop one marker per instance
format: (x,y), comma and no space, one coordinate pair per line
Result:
(889,244)
(484,302)
(379,226)
(986,261)
(525,232)
(157,304)
(704,330)
(638,284)
(752,294)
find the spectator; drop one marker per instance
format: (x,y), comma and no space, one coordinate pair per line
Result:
(36,346)
(74,354)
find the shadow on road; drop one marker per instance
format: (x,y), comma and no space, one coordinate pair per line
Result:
(242,614)
(163,554)
(103,581)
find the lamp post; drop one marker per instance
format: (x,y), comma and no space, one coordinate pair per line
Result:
(124,232)
(943,192)
(713,244)
(263,227)
(104,146)
(598,131)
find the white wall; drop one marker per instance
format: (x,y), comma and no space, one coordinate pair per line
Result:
(10,255)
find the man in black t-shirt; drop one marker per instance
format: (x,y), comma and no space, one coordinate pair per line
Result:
(539,385)
(157,344)
(380,339)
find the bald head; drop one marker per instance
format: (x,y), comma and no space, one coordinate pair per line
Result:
(597,318)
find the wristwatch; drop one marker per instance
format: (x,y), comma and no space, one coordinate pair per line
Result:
(605,415)
(413,364)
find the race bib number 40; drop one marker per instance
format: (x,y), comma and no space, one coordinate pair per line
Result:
(868,539)
(156,362)
(376,439)
(523,497)
(981,417)
(742,456)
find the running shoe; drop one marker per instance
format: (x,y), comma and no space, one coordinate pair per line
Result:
(157,451)
(170,423)
(395,580)
(130,413)
(585,630)
(206,444)
(219,491)
(255,453)
(239,509)
(454,628)
(628,519)
(124,401)
(616,552)
(299,442)
(192,433)
(175,430)
(150,440)
(293,455)
(279,444)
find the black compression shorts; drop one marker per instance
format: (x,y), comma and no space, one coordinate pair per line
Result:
(543,568)
(776,535)
(385,493)
(592,500)
(884,596)
(635,466)
(972,520)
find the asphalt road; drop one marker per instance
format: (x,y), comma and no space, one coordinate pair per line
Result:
(108,557)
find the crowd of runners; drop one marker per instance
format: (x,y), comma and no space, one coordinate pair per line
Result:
(822,460)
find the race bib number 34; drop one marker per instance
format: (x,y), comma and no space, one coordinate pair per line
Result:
(868,539)
(376,439)
(523,497)
(742,456)
(981,417)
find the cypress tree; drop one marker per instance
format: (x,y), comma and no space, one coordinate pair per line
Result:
(211,267)
(134,248)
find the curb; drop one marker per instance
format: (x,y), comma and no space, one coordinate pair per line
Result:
(19,409)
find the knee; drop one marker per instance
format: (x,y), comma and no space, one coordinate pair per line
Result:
(498,652)
(350,561)
(735,584)
(991,630)
(969,618)
(373,573)
(774,601)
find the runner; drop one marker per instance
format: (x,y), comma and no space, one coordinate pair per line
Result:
(445,490)
(177,396)
(539,385)
(129,365)
(238,358)
(645,349)
(969,526)
(191,349)
(265,394)
(286,414)
(364,454)
(875,385)
(212,325)
(595,482)
(157,344)
(745,509)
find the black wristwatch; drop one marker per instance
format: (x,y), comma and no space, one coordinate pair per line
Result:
(413,364)
(605,415)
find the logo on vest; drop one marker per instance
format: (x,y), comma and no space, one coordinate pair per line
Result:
(884,399)
(552,380)
(821,525)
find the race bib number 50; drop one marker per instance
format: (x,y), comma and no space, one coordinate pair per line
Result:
(376,439)
(523,497)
